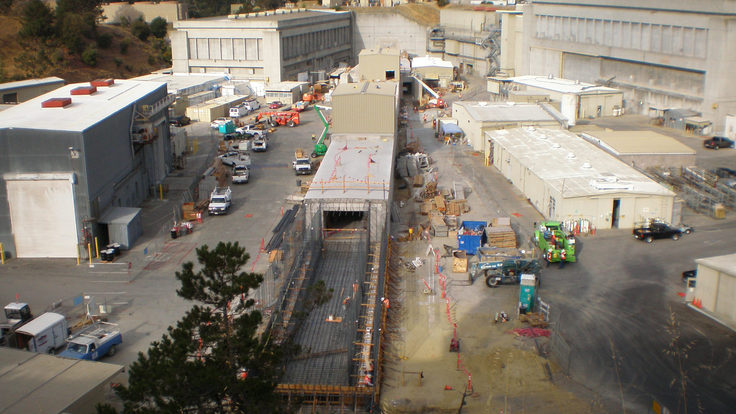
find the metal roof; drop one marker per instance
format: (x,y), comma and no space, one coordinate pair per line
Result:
(724,264)
(365,87)
(562,85)
(430,61)
(573,166)
(285,86)
(39,383)
(356,166)
(509,111)
(85,110)
(40,323)
(119,215)
(387,51)
(176,81)
(30,82)
(637,142)
(269,19)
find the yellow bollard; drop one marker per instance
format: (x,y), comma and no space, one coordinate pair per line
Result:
(2,254)
(161,191)
(89,253)
(97,249)
(78,258)
(195,145)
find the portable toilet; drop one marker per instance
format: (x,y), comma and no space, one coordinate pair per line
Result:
(227,128)
(527,293)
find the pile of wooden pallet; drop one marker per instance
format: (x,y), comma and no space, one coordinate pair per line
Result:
(502,236)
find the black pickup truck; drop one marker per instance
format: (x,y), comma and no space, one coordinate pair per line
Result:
(657,230)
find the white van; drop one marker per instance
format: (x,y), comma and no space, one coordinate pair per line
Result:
(238,111)
(252,105)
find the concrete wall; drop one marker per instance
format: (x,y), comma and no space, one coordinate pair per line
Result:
(374,66)
(376,30)
(463,21)
(363,113)
(717,291)
(147,10)
(650,51)
(510,60)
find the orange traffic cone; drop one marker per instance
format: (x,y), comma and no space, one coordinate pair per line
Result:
(448,388)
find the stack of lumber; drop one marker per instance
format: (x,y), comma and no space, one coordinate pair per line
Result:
(459,262)
(457,207)
(439,203)
(534,319)
(187,212)
(501,236)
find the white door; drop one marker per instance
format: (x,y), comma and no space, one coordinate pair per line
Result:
(43,218)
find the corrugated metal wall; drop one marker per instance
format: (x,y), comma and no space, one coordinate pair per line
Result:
(363,113)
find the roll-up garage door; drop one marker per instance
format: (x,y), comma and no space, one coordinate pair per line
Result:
(42,217)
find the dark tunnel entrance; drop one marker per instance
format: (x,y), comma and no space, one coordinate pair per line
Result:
(341,220)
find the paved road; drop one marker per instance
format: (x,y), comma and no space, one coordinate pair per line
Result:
(143,296)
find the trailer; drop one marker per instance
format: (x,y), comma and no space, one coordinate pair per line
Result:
(45,334)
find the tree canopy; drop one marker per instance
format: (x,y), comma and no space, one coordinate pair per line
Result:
(213,359)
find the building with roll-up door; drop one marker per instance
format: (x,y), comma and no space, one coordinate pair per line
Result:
(72,155)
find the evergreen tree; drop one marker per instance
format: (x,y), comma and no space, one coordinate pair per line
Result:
(38,20)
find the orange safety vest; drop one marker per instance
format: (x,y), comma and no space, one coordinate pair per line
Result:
(562,254)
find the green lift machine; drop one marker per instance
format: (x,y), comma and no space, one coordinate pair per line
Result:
(320,148)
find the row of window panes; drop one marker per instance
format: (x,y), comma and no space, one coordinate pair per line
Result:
(226,49)
(668,39)
(311,42)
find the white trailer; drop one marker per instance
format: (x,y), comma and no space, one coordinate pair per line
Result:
(45,334)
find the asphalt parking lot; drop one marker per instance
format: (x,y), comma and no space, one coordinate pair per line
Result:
(140,287)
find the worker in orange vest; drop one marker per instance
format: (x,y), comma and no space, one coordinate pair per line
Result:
(563,257)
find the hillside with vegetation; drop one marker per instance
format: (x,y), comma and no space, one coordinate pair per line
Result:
(71,43)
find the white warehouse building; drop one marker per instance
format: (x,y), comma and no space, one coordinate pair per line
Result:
(566,177)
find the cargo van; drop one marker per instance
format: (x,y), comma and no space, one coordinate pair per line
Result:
(252,105)
(45,334)
(238,111)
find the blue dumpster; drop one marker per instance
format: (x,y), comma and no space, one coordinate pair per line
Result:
(471,236)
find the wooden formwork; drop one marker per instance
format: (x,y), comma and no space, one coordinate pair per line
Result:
(341,396)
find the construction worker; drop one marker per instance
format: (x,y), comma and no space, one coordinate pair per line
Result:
(563,256)
(314,138)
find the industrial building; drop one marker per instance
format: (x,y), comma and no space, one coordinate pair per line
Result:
(662,54)
(643,149)
(405,27)
(21,91)
(287,92)
(270,46)
(39,383)
(365,108)
(379,64)
(567,178)
(577,100)
(476,118)
(433,71)
(468,37)
(101,145)
(715,288)
(212,109)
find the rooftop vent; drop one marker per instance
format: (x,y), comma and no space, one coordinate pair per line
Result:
(102,82)
(555,145)
(586,166)
(56,103)
(482,103)
(84,90)
(570,156)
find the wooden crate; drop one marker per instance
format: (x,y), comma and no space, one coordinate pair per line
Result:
(439,202)
(501,236)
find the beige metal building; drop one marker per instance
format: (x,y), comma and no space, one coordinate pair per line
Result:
(567,178)
(21,91)
(40,383)
(476,118)
(433,70)
(379,64)
(577,100)
(643,149)
(214,108)
(287,92)
(715,290)
(365,108)
(270,46)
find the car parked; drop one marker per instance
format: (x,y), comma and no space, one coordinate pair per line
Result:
(693,273)
(275,105)
(180,121)
(723,172)
(657,230)
(718,142)
(219,121)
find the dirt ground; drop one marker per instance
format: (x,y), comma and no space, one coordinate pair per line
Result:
(496,371)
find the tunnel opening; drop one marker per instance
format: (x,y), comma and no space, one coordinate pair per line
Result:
(345,220)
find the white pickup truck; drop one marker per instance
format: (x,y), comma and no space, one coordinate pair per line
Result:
(302,164)
(241,174)
(260,144)
(220,200)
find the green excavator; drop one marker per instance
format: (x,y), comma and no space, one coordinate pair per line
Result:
(319,147)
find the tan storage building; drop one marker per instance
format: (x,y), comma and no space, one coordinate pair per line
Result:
(288,92)
(577,100)
(21,91)
(214,108)
(433,70)
(715,289)
(643,149)
(476,118)
(365,108)
(379,64)
(567,178)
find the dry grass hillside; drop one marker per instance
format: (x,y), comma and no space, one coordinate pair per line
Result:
(140,57)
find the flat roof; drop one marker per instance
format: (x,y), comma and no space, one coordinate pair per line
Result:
(388,51)
(85,110)
(510,111)
(638,142)
(176,81)
(573,166)
(430,61)
(40,323)
(285,86)
(268,19)
(119,215)
(366,87)
(356,166)
(725,264)
(562,85)
(40,383)
(30,82)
